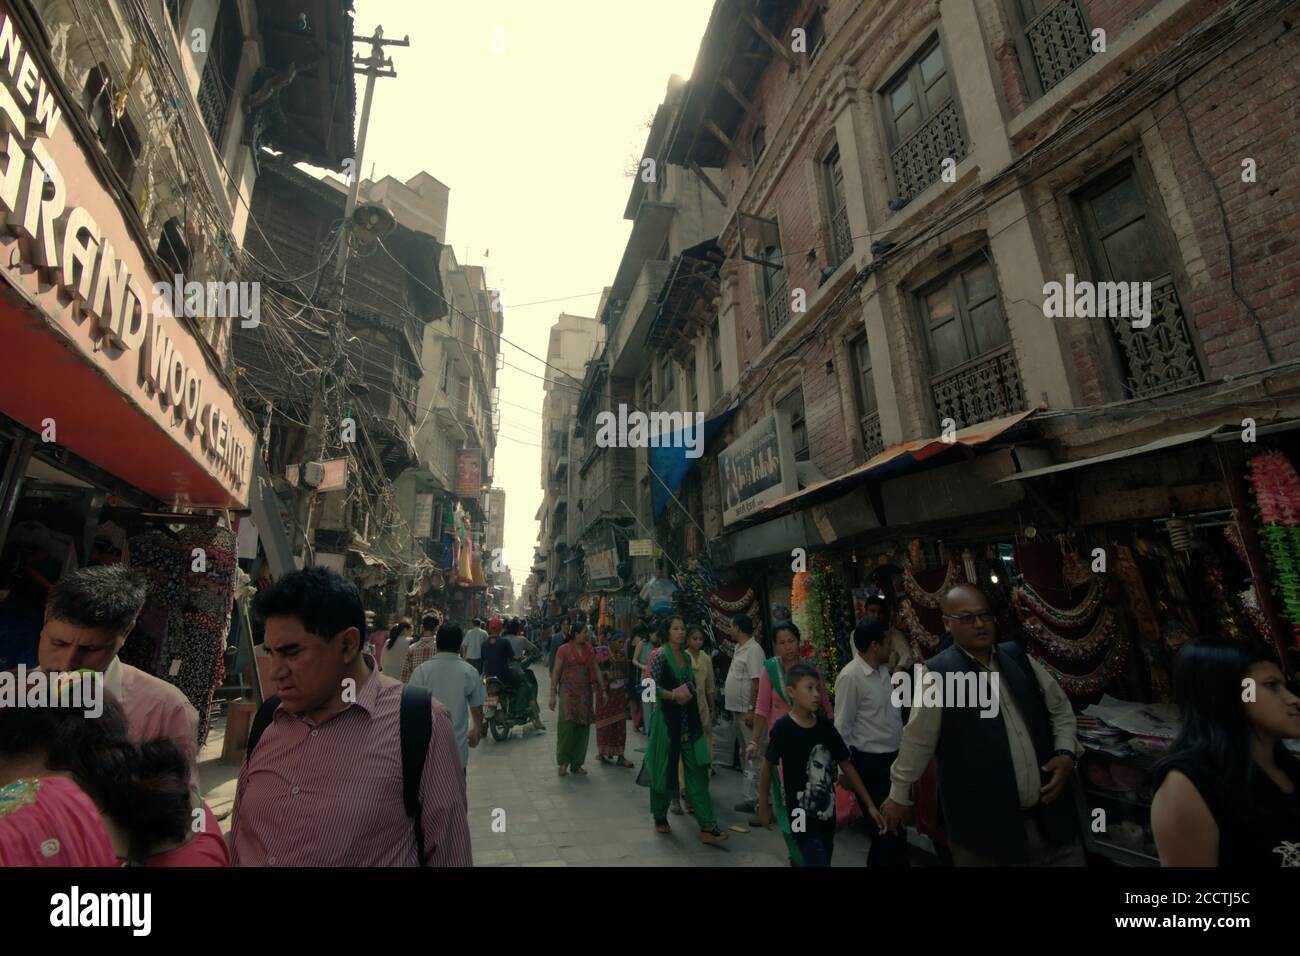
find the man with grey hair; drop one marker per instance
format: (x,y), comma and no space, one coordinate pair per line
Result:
(88,615)
(1003,774)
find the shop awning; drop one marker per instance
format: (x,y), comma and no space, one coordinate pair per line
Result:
(899,459)
(671,465)
(1160,444)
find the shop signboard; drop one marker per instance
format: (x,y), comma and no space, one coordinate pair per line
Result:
(469,473)
(423,523)
(641,548)
(757,468)
(602,564)
(145,398)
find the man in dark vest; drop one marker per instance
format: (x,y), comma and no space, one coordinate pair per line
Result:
(1004,771)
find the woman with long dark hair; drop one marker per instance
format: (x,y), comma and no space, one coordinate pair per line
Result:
(574,681)
(1230,791)
(75,791)
(395,648)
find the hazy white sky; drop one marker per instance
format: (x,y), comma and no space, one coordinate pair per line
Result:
(533,142)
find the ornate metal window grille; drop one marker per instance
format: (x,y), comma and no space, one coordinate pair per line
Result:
(777,304)
(984,388)
(841,236)
(220,71)
(918,160)
(872,443)
(1161,357)
(174,12)
(1126,245)
(1059,40)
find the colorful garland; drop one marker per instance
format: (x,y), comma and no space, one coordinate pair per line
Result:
(1082,649)
(810,609)
(920,639)
(1085,685)
(1025,598)
(1277,497)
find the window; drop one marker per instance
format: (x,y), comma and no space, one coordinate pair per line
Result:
(647,401)
(665,379)
(864,387)
(792,404)
(841,237)
(172,248)
(715,361)
(1123,244)
(1053,39)
(923,124)
(757,142)
(220,70)
(115,133)
(973,371)
(776,303)
(692,388)
(816,31)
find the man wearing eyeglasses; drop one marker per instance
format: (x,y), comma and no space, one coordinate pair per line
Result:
(1004,774)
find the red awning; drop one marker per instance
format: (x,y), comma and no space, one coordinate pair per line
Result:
(901,458)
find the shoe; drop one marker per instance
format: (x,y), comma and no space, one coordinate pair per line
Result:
(661,826)
(677,808)
(712,835)
(745,808)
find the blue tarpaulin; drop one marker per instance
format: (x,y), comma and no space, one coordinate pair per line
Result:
(671,463)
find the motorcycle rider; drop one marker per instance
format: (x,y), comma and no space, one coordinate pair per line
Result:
(525,653)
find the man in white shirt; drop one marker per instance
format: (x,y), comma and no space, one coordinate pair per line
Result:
(740,693)
(472,649)
(872,726)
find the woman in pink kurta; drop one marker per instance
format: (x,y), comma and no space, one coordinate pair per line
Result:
(771,705)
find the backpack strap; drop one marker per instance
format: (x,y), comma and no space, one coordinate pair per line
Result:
(261,720)
(415,729)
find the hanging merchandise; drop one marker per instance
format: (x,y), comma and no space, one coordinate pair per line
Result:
(1073,571)
(919,612)
(1079,686)
(1148,627)
(209,601)
(1276,488)
(158,558)
(725,602)
(1102,632)
(1026,600)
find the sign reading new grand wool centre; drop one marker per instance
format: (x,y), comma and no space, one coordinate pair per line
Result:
(68,248)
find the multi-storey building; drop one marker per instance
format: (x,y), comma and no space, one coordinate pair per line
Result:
(574,341)
(904,180)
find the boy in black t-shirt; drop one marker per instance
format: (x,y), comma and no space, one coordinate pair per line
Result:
(809,749)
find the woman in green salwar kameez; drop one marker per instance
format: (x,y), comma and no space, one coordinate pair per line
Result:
(676,737)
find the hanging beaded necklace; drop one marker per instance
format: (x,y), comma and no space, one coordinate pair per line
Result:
(931,599)
(1025,597)
(1083,685)
(1085,648)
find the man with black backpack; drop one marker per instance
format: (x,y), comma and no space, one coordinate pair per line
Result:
(320,781)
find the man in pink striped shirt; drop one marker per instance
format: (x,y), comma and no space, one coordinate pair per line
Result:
(324,785)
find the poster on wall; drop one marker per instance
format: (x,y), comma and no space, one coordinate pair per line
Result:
(469,472)
(757,468)
(423,523)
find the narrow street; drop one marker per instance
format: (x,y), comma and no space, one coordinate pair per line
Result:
(602,819)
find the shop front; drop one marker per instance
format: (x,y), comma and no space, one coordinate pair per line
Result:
(120,435)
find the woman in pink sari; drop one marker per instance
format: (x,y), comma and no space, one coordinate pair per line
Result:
(75,791)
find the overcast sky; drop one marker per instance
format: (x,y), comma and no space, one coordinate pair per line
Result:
(534,142)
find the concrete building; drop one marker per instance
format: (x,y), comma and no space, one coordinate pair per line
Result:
(574,341)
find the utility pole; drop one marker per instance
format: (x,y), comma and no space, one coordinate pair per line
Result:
(372,66)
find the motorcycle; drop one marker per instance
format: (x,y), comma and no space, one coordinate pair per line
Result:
(503,710)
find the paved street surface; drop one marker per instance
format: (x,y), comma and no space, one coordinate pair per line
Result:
(602,819)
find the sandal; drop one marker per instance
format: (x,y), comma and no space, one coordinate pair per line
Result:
(661,826)
(564,771)
(580,771)
(624,762)
(677,808)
